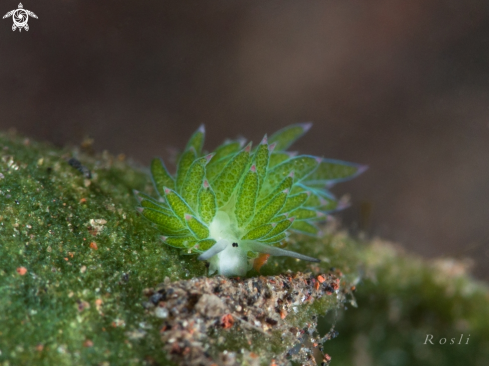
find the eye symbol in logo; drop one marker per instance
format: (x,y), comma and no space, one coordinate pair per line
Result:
(20,17)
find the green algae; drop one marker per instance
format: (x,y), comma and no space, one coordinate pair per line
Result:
(75,304)
(405,298)
(88,256)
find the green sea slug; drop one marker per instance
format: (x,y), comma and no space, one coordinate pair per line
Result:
(230,205)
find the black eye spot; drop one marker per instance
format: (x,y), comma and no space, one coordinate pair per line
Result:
(235,245)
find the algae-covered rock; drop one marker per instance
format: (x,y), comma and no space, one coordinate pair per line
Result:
(75,259)
(414,312)
(84,280)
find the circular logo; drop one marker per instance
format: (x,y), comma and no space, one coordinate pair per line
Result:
(20,17)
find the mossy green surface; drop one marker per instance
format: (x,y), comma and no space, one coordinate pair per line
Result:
(81,304)
(76,304)
(402,300)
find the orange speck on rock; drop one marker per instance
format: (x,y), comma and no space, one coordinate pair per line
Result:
(227,321)
(88,343)
(316,285)
(22,271)
(283,313)
(321,279)
(93,245)
(98,303)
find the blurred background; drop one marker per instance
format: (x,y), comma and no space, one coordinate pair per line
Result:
(402,86)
